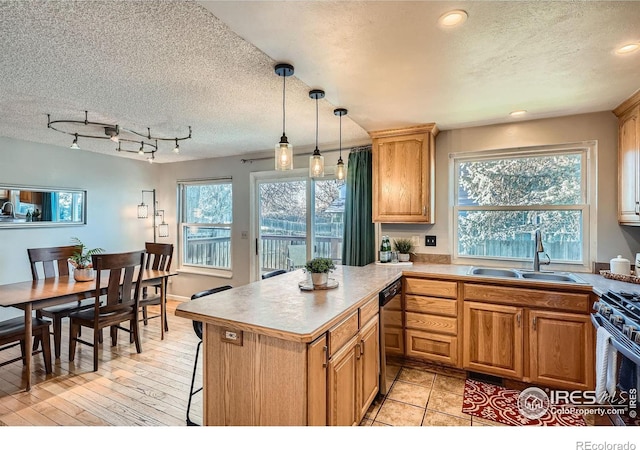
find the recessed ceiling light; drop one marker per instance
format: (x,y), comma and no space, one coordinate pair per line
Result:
(520,112)
(452,18)
(628,48)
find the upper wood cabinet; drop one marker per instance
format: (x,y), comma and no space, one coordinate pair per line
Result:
(629,160)
(403,174)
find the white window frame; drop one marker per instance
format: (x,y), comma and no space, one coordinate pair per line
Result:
(192,268)
(273,176)
(588,207)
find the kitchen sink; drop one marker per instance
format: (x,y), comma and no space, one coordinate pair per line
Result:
(494,272)
(524,274)
(546,276)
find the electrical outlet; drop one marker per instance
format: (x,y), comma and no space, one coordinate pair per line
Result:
(415,240)
(430,241)
(244,235)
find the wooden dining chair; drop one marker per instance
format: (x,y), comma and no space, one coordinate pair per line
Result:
(12,334)
(124,272)
(159,257)
(53,262)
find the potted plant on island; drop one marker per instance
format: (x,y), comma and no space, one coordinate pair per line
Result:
(81,261)
(319,269)
(404,247)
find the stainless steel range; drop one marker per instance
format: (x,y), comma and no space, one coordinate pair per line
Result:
(619,314)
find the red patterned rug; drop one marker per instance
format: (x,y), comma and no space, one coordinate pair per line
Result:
(499,404)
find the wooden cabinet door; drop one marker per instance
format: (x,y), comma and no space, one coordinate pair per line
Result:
(493,339)
(342,384)
(369,365)
(317,360)
(561,350)
(628,168)
(403,169)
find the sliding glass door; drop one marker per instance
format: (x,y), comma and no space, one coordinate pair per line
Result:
(297,218)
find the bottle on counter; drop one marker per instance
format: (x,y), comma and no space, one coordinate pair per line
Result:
(385,250)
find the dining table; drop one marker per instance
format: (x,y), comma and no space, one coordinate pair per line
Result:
(33,295)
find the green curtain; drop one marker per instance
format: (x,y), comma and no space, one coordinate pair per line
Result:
(358,247)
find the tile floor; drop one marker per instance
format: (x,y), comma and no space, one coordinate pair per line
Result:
(422,397)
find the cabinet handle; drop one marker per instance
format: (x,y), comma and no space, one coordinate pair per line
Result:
(637,208)
(534,323)
(424,210)
(361,347)
(518,319)
(358,351)
(325,349)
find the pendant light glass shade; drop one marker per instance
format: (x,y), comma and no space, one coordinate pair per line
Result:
(341,170)
(316,161)
(284,154)
(283,150)
(316,164)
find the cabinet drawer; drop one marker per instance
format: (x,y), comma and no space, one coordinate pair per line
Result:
(392,318)
(432,347)
(368,310)
(341,333)
(432,288)
(429,322)
(393,340)
(431,305)
(562,301)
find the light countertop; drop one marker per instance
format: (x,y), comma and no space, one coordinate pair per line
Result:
(278,307)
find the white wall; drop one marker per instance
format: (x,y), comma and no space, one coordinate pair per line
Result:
(612,239)
(113,186)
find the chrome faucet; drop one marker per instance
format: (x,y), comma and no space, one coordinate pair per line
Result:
(539,248)
(13,210)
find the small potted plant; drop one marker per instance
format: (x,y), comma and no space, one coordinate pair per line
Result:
(81,261)
(319,269)
(404,247)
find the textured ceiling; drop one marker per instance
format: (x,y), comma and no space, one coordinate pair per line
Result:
(168,65)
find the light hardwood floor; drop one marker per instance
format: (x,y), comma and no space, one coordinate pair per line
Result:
(129,389)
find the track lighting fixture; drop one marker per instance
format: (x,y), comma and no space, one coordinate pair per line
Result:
(113,132)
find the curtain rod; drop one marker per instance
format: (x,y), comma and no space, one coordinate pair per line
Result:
(352,149)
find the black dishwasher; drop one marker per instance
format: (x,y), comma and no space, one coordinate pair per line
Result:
(385,296)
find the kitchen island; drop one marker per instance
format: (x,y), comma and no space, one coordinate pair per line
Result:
(277,355)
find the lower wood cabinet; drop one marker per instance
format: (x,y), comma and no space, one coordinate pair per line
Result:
(353,376)
(560,349)
(545,347)
(493,339)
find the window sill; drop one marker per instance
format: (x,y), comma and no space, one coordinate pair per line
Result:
(207,272)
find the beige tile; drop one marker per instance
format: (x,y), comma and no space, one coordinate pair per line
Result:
(400,414)
(449,384)
(414,394)
(437,419)
(416,376)
(446,402)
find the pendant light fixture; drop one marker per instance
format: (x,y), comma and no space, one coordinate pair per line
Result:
(316,160)
(284,150)
(341,170)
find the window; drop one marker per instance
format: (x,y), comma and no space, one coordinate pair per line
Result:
(293,211)
(502,197)
(205,224)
